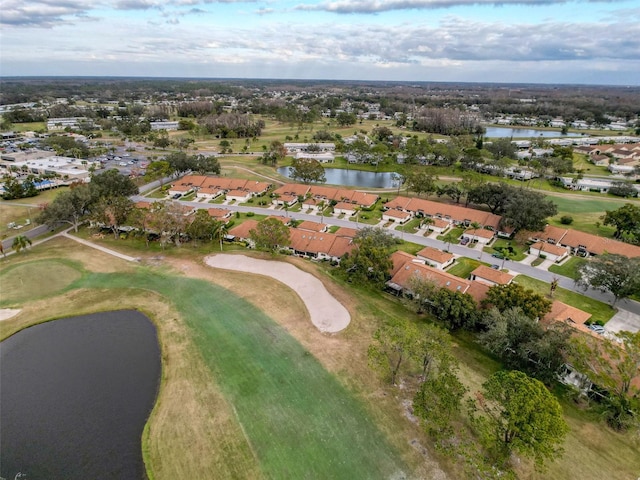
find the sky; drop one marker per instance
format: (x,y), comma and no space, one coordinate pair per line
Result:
(507,41)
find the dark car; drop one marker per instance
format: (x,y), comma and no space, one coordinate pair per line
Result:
(495,267)
(176,196)
(464,241)
(497,255)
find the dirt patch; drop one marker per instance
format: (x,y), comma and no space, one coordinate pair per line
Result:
(327,314)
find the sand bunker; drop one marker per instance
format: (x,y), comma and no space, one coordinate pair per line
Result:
(327,314)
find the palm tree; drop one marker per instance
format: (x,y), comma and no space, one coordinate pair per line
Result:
(475,226)
(21,242)
(427,221)
(220,230)
(449,237)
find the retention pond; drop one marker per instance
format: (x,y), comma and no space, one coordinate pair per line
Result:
(75,396)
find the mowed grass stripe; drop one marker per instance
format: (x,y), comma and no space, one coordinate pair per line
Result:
(301,422)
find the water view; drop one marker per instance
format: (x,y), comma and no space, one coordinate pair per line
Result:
(75,396)
(505,132)
(354,178)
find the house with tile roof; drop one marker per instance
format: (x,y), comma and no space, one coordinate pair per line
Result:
(550,251)
(436,258)
(489,276)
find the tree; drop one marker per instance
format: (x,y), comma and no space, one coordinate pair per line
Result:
(523,344)
(112,184)
(392,346)
(203,164)
(112,212)
(521,416)
(493,195)
(454,309)
(623,189)
(625,219)
(438,398)
(346,119)
(158,170)
(21,242)
(270,234)
(421,182)
(307,170)
(369,261)
(500,148)
(614,368)
(69,207)
(276,153)
(513,295)
(420,292)
(527,210)
(612,273)
(201,227)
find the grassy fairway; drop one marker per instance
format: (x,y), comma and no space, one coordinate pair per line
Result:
(299,420)
(586,212)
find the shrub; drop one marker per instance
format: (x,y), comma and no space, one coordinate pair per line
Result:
(566,220)
(250,214)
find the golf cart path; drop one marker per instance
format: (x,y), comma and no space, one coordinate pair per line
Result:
(327,314)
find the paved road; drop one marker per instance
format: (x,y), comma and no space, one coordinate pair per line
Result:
(515,267)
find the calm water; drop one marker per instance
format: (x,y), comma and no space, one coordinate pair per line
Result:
(502,132)
(354,178)
(75,396)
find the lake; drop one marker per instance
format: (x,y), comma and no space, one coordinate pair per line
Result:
(353,178)
(505,132)
(75,396)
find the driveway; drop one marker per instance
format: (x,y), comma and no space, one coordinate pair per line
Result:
(623,320)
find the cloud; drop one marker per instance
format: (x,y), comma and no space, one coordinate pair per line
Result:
(42,13)
(378,6)
(264,11)
(135,5)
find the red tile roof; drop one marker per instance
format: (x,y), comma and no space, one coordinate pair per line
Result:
(495,276)
(435,255)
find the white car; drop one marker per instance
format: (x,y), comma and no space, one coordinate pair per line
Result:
(597,328)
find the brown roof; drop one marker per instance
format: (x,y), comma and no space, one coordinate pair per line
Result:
(561,312)
(435,255)
(442,279)
(398,259)
(237,193)
(312,226)
(495,276)
(319,243)
(346,232)
(396,214)
(440,223)
(599,245)
(211,190)
(191,180)
(444,210)
(345,206)
(550,233)
(478,291)
(295,189)
(242,230)
(142,204)
(219,212)
(549,248)
(480,232)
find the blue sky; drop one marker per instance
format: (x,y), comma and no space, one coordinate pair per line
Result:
(537,41)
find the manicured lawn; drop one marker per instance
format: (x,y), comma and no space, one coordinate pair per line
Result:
(569,268)
(30,281)
(599,310)
(587,212)
(454,233)
(300,420)
(518,251)
(464,266)
(411,226)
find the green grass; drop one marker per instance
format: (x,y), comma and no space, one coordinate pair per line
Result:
(599,310)
(569,268)
(33,280)
(464,266)
(411,226)
(300,420)
(520,251)
(587,212)
(455,234)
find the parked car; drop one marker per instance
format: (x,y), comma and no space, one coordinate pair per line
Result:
(497,255)
(495,267)
(176,196)
(464,241)
(597,328)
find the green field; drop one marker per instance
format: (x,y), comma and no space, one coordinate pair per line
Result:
(33,280)
(299,420)
(586,212)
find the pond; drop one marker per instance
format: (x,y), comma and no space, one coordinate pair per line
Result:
(353,178)
(505,132)
(75,396)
